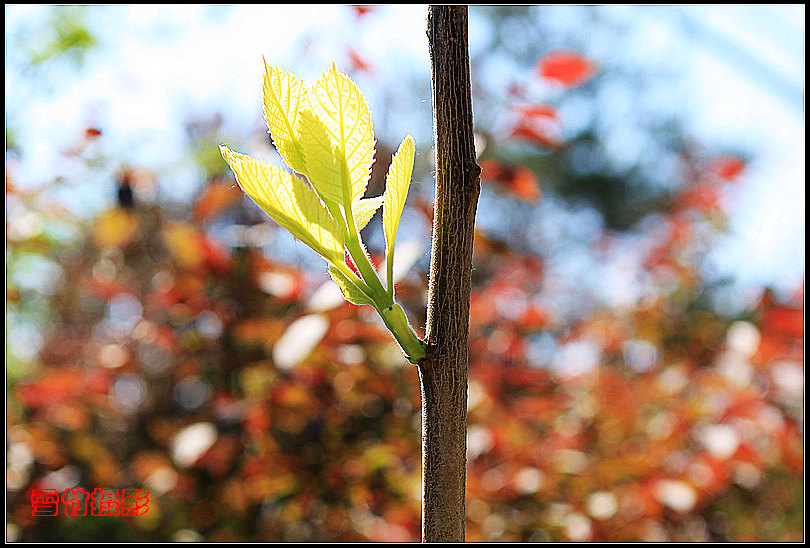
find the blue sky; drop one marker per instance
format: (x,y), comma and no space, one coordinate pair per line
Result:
(743,67)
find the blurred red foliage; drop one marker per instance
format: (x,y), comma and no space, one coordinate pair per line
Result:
(621,426)
(565,67)
(539,124)
(185,358)
(520,181)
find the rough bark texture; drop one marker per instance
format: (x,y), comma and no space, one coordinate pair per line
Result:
(443,372)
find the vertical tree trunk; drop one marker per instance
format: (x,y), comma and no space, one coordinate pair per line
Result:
(443,372)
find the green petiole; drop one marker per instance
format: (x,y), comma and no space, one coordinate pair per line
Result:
(391,312)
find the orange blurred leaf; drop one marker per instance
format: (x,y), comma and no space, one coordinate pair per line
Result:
(115,228)
(192,250)
(216,198)
(258,330)
(728,168)
(358,63)
(535,111)
(104,288)
(566,67)
(185,244)
(703,197)
(53,387)
(520,181)
(360,11)
(538,123)
(785,321)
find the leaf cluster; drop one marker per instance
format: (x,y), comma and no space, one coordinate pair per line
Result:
(324,133)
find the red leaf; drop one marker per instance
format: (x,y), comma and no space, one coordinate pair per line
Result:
(539,135)
(538,123)
(217,258)
(538,111)
(350,263)
(566,67)
(360,11)
(728,168)
(53,387)
(520,181)
(534,318)
(357,63)
(524,185)
(703,197)
(217,197)
(104,288)
(785,321)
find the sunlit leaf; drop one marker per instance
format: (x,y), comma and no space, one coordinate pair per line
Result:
(325,169)
(397,183)
(284,97)
(350,291)
(339,104)
(290,202)
(365,209)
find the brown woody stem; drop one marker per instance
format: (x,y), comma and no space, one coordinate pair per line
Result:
(443,371)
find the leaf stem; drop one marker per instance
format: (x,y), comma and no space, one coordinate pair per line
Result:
(397,322)
(362,261)
(354,278)
(389,266)
(391,312)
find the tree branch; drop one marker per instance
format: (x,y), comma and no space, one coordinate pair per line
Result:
(443,372)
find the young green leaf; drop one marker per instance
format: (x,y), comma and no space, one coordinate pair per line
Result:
(325,167)
(290,202)
(397,182)
(284,96)
(364,209)
(326,134)
(351,292)
(337,102)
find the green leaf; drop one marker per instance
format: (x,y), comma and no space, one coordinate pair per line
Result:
(397,182)
(337,102)
(351,292)
(284,97)
(364,209)
(290,202)
(323,167)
